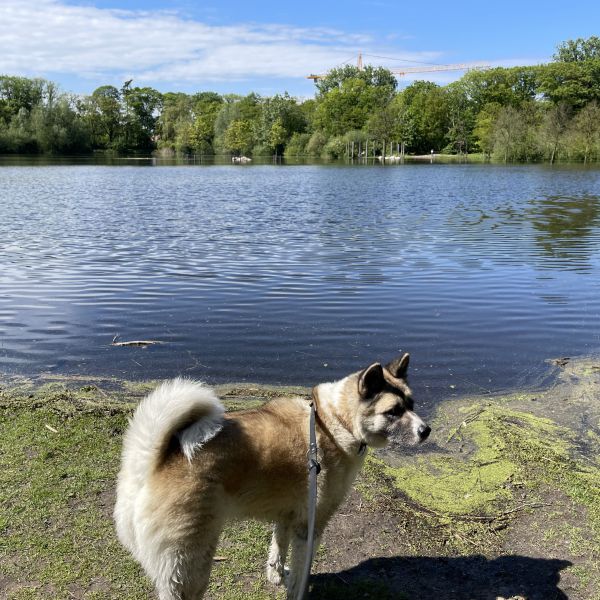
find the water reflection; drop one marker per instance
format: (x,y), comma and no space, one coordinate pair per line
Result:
(555,232)
(566,230)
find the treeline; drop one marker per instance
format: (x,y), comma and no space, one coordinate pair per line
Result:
(544,112)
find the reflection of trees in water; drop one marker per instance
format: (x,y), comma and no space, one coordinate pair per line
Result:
(553,232)
(565,228)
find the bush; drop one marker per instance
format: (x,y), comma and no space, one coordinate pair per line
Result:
(262,150)
(316,144)
(297,146)
(335,147)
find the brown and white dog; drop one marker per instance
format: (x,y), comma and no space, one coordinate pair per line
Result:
(187,467)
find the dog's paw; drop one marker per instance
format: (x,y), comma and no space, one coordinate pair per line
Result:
(276,574)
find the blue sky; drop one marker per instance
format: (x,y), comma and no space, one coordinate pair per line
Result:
(269,47)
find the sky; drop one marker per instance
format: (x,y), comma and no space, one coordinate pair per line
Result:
(230,46)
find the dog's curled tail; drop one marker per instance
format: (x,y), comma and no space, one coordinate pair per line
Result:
(182,407)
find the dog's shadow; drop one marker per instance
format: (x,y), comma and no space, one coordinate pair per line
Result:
(454,578)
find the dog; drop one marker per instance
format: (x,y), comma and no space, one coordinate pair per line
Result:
(187,467)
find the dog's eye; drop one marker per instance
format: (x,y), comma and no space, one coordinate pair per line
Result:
(395,412)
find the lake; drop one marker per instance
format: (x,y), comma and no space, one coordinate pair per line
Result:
(299,274)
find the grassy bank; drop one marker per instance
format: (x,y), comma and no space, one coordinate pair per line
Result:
(504,501)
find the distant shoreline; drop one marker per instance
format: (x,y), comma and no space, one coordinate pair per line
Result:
(109,158)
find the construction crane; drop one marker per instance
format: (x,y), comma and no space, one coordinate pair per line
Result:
(422,69)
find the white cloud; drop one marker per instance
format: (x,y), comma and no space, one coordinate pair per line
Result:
(49,37)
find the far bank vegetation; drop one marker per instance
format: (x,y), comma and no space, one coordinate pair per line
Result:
(548,112)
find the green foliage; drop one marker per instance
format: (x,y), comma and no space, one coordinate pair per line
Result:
(297,144)
(428,109)
(483,130)
(499,85)
(514,134)
(174,127)
(585,133)
(238,138)
(372,77)
(553,129)
(316,143)
(461,115)
(19,92)
(572,83)
(106,108)
(578,50)
(382,124)
(334,148)
(347,107)
(142,106)
(206,108)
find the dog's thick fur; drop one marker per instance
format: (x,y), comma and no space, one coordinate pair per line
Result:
(187,467)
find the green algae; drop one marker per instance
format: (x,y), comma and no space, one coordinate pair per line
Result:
(480,476)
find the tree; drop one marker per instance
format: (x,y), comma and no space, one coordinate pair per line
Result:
(585,132)
(105,109)
(485,122)
(238,137)
(334,148)
(461,118)
(280,117)
(404,128)
(277,136)
(235,108)
(18,135)
(572,83)
(57,128)
(19,92)
(514,133)
(553,129)
(507,87)
(427,107)
(142,107)
(378,77)
(206,106)
(297,144)
(348,107)
(174,126)
(308,110)
(382,125)
(316,143)
(578,50)
(348,96)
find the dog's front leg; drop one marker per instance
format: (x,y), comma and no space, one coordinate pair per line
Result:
(298,561)
(278,552)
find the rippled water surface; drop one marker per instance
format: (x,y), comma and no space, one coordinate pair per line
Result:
(300,274)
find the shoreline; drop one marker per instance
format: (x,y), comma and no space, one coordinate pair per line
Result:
(504,500)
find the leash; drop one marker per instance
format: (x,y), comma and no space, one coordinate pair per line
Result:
(313,470)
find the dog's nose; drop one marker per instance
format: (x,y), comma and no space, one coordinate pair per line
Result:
(424,432)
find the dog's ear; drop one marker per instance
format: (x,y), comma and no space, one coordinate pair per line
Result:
(371,381)
(399,367)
